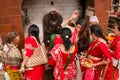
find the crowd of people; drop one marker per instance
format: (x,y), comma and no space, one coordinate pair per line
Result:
(79,52)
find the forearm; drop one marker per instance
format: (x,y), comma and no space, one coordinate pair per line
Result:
(92,57)
(66,22)
(24,61)
(115,54)
(104,62)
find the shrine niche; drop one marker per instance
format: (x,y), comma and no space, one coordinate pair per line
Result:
(51,21)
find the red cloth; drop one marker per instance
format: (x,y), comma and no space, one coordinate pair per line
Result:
(51,62)
(116,74)
(101,50)
(66,55)
(57,40)
(38,71)
(59,72)
(115,45)
(74,36)
(89,74)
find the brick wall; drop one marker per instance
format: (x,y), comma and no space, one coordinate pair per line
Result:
(10,17)
(102,8)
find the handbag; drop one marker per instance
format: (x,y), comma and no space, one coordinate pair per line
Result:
(38,57)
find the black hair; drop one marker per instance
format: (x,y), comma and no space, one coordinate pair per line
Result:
(66,35)
(83,35)
(58,30)
(97,30)
(34,31)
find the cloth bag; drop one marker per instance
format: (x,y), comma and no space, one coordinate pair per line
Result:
(38,57)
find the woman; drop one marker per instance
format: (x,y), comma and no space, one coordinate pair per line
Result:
(64,55)
(115,48)
(80,37)
(13,57)
(75,30)
(80,33)
(98,52)
(83,36)
(116,44)
(37,73)
(82,43)
(55,39)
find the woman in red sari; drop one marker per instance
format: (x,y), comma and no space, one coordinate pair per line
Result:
(98,52)
(37,73)
(115,51)
(55,39)
(64,55)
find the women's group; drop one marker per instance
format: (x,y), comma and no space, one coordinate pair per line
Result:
(78,51)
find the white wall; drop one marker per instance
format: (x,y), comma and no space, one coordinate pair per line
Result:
(38,8)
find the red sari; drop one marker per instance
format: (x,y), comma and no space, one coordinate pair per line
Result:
(74,36)
(61,59)
(98,48)
(38,71)
(115,45)
(56,40)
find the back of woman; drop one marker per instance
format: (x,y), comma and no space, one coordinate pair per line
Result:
(31,42)
(64,55)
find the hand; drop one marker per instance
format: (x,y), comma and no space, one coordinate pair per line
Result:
(94,65)
(81,57)
(22,69)
(105,62)
(75,14)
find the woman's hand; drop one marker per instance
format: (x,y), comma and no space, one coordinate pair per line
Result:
(106,62)
(75,14)
(101,63)
(81,57)
(22,69)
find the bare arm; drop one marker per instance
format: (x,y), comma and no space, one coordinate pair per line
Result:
(74,16)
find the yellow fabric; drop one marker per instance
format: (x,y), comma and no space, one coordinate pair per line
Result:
(13,74)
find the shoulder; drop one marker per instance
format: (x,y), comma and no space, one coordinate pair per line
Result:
(102,43)
(29,39)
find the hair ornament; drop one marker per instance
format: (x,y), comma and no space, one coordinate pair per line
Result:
(66,36)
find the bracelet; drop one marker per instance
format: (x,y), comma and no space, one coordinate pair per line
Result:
(22,66)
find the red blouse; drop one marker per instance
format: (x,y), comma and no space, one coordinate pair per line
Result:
(57,40)
(116,47)
(65,56)
(30,44)
(99,48)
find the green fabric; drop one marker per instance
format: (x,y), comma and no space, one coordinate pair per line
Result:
(52,41)
(68,61)
(69,58)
